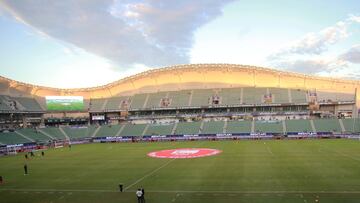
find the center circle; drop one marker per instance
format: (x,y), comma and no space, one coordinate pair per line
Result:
(184,153)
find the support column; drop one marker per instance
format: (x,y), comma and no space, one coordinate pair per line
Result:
(357,103)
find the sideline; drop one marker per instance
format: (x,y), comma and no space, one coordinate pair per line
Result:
(184,191)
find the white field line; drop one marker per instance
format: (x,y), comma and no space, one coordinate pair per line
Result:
(56,190)
(186,191)
(154,171)
(149,174)
(176,196)
(270,152)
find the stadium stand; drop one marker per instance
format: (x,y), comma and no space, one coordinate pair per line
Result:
(138,101)
(213,127)
(114,103)
(34,134)
(238,127)
(133,129)
(54,132)
(351,124)
(79,132)
(41,101)
(333,97)
(188,128)
(230,96)
(268,127)
(327,125)
(108,130)
(183,97)
(12,138)
(298,126)
(253,95)
(298,96)
(4,104)
(209,127)
(30,104)
(86,104)
(159,129)
(179,98)
(201,97)
(155,99)
(280,95)
(97,104)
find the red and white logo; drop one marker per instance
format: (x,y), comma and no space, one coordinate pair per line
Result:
(184,153)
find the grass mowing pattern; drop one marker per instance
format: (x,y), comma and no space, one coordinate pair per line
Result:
(246,171)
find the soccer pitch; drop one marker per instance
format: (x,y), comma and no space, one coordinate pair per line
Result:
(245,171)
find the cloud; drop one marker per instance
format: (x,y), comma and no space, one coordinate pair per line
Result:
(308,55)
(352,55)
(306,66)
(338,65)
(149,32)
(321,65)
(315,43)
(354,18)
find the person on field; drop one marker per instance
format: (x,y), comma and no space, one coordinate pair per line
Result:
(25,169)
(1,180)
(26,156)
(42,153)
(139,195)
(32,153)
(143,195)
(121,187)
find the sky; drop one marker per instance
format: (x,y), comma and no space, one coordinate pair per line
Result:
(87,43)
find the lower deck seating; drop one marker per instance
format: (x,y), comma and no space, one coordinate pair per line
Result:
(238,127)
(213,127)
(269,126)
(188,128)
(79,132)
(327,125)
(34,134)
(54,132)
(183,128)
(9,138)
(159,129)
(133,130)
(351,125)
(298,126)
(108,130)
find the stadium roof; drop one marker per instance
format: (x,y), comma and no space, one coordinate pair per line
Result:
(192,76)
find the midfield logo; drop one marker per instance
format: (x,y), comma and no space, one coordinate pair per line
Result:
(184,153)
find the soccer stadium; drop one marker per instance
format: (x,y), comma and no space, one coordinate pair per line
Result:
(276,132)
(158,101)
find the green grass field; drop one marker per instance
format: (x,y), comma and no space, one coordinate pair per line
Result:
(246,171)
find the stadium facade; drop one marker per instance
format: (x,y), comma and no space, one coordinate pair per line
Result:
(185,99)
